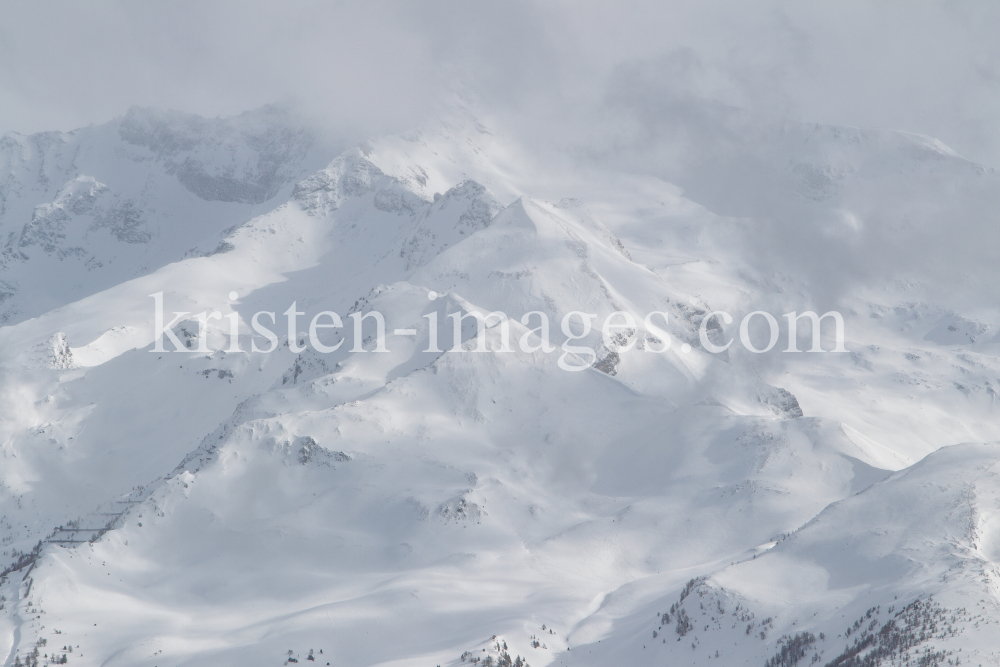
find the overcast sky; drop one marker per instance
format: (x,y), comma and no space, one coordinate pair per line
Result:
(926,67)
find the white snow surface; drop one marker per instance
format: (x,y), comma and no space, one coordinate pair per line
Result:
(439,508)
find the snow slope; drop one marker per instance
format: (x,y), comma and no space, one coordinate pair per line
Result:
(85,210)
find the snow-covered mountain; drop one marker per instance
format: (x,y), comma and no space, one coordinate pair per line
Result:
(223,506)
(83,211)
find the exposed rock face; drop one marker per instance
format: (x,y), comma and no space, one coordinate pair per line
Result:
(246,159)
(780,401)
(114,201)
(353,175)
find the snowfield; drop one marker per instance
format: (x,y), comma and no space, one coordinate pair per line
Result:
(224,507)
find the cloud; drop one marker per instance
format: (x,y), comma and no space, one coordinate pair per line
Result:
(370,66)
(696,92)
(928,67)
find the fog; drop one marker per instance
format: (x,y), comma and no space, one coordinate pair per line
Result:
(698,93)
(367,68)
